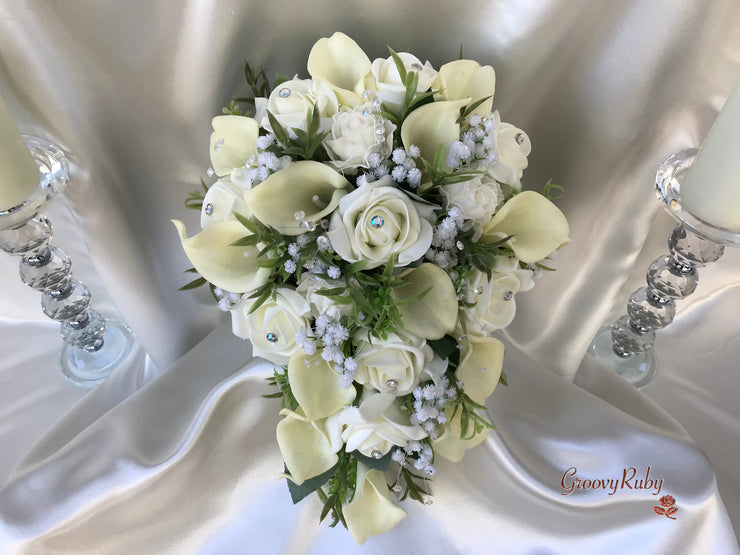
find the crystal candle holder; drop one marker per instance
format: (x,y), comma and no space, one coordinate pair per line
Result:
(92,346)
(626,346)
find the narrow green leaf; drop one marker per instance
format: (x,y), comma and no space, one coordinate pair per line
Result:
(444,347)
(193,284)
(399,64)
(299,492)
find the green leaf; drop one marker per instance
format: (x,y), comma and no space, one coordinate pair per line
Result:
(378,464)
(467,110)
(461,52)
(193,284)
(503,380)
(299,492)
(549,187)
(277,129)
(444,347)
(399,64)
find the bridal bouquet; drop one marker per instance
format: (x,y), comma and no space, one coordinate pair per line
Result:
(367,232)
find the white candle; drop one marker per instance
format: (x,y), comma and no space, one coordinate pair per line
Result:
(711,188)
(19,174)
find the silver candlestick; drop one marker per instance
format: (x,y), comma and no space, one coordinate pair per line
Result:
(92,346)
(626,346)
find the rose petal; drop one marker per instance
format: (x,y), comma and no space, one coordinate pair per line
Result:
(537,225)
(431,125)
(435,314)
(371,511)
(317,387)
(305,448)
(230,268)
(481,352)
(232,142)
(276,200)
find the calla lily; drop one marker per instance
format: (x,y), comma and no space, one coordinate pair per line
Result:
(431,125)
(371,511)
(435,314)
(538,227)
(305,447)
(309,187)
(232,142)
(340,62)
(450,445)
(317,387)
(230,268)
(466,79)
(480,366)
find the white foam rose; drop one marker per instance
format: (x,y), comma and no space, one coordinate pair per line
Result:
(273,326)
(374,427)
(378,221)
(354,138)
(494,298)
(513,148)
(390,87)
(309,286)
(478,198)
(393,365)
(290,102)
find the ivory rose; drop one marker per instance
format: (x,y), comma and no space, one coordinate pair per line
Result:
(309,286)
(371,511)
(478,198)
(513,147)
(390,88)
(377,221)
(273,326)
(290,102)
(393,365)
(354,139)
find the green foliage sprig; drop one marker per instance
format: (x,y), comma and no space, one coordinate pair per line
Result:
(340,489)
(414,486)
(194,200)
(306,143)
(280,381)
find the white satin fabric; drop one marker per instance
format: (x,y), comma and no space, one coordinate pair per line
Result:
(186,461)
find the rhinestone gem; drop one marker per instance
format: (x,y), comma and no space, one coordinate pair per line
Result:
(284,92)
(483,370)
(365,93)
(397,488)
(376,103)
(377,222)
(478,290)
(379,131)
(391,383)
(508,295)
(323,242)
(299,215)
(428,502)
(376,454)
(272,338)
(366,112)
(417,66)
(304,225)
(519,138)
(208,209)
(218,144)
(460,246)
(306,363)
(210,172)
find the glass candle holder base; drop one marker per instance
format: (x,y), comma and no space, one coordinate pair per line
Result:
(85,368)
(638,369)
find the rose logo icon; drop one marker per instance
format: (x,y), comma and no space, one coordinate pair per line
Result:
(666,507)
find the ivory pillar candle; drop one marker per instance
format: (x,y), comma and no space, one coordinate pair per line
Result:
(19,174)
(711,189)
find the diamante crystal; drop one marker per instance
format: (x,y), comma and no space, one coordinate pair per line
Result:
(366,112)
(391,382)
(460,245)
(376,454)
(519,138)
(377,222)
(218,144)
(284,92)
(210,172)
(271,337)
(397,488)
(379,131)
(323,242)
(483,370)
(417,66)
(365,93)
(508,295)
(299,215)
(428,502)
(208,209)
(478,290)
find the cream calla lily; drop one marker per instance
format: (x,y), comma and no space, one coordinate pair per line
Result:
(480,366)
(435,314)
(307,186)
(232,142)
(305,447)
(431,125)
(317,387)
(466,79)
(371,511)
(339,61)
(538,227)
(450,445)
(230,268)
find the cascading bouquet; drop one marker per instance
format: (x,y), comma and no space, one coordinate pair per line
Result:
(367,233)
